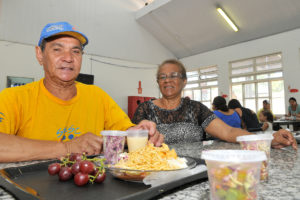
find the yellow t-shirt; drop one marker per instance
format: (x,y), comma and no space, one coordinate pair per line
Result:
(31,111)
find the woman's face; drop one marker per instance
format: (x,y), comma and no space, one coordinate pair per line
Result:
(293,103)
(170,81)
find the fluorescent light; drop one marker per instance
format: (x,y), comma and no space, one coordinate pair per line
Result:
(228,20)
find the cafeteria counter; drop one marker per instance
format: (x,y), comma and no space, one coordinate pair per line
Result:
(283,183)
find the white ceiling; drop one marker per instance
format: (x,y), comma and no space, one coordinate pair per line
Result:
(189,27)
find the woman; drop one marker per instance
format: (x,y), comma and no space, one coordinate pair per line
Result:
(294,108)
(294,112)
(249,118)
(229,116)
(184,120)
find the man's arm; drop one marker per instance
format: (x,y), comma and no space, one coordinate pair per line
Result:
(14,148)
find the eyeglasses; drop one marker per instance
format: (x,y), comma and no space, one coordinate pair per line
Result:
(172,76)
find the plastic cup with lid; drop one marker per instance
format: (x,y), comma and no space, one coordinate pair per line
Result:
(113,145)
(261,142)
(136,139)
(233,174)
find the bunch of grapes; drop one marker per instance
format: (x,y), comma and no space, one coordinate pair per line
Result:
(82,168)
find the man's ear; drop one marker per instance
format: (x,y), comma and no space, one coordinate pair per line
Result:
(39,54)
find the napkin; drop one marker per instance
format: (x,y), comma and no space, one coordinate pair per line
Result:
(163,177)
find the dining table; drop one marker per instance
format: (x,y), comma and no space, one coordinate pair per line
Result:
(283,182)
(287,122)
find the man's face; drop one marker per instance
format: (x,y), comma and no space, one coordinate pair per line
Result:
(266,106)
(61,59)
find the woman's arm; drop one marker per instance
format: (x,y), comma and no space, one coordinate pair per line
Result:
(239,112)
(289,112)
(221,130)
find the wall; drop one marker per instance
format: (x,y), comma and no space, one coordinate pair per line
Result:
(117,77)
(288,43)
(120,78)
(18,60)
(110,26)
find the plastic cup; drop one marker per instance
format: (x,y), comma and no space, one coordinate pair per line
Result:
(136,139)
(261,142)
(233,174)
(113,145)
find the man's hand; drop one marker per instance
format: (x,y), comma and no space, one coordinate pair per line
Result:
(88,143)
(283,138)
(154,136)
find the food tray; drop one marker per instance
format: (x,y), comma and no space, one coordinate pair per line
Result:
(34,182)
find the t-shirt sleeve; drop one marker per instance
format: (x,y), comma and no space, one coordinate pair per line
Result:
(115,117)
(9,112)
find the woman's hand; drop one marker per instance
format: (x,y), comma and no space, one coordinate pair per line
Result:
(283,138)
(154,136)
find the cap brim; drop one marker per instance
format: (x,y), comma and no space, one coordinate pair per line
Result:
(76,35)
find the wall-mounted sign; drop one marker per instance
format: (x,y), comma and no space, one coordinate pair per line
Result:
(13,81)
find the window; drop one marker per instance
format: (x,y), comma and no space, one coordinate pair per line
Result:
(256,79)
(202,85)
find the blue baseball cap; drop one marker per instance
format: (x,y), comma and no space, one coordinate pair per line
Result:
(62,28)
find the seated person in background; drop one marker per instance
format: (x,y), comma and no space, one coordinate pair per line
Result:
(266,107)
(294,108)
(266,118)
(294,112)
(56,115)
(229,116)
(249,119)
(182,120)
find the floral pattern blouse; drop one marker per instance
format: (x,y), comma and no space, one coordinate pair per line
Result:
(186,123)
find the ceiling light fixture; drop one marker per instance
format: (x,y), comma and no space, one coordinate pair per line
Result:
(228,20)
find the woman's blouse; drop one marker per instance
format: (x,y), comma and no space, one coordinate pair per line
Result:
(186,123)
(294,112)
(233,120)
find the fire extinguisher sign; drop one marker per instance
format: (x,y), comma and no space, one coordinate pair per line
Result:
(140,90)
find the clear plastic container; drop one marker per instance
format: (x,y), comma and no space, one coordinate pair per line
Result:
(136,139)
(233,174)
(113,145)
(261,142)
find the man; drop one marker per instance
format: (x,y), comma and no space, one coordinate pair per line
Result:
(266,107)
(56,115)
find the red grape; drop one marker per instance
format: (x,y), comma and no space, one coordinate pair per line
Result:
(75,157)
(65,173)
(54,169)
(75,168)
(100,178)
(87,167)
(81,179)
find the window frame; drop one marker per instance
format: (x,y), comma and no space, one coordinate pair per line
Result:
(199,81)
(256,81)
